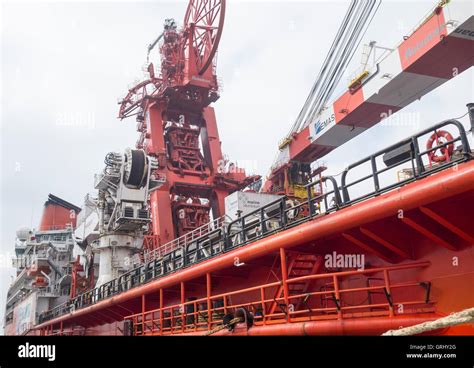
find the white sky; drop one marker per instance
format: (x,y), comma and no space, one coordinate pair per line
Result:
(65,65)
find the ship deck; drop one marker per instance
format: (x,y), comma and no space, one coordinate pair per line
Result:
(410,236)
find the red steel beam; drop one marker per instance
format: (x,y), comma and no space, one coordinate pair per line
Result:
(366,247)
(129,311)
(109,310)
(447,224)
(445,184)
(425,232)
(105,317)
(385,243)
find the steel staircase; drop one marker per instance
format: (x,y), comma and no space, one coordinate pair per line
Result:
(298,265)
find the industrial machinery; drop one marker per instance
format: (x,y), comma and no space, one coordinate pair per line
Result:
(112,225)
(175,120)
(123,212)
(180,241)
(437,50)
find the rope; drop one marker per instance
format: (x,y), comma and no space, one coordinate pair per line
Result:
(454,319)
(223,327)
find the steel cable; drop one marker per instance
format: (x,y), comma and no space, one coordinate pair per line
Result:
(354,26)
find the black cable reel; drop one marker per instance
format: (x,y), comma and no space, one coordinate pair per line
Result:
(136,168)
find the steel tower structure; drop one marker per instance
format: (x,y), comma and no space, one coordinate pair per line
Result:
(178,126)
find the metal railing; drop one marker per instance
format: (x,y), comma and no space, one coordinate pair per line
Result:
(205,313)
(415,158)
(184,240)
(274,217)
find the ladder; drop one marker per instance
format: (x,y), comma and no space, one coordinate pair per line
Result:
(299,265)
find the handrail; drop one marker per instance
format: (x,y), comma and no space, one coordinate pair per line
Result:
(185,239)
(168,313)
(416,158)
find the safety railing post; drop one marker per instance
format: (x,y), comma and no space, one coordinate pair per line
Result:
(225,305)
(419,161)
(375,174)
(284,278)
(263,223)
(183,315)
(172,319)
(309,189)
(196,316)
(262,301)
(283,212)
(337,295)
(208,295)
(161,312)
(345,193)
(143,313)
(388,291)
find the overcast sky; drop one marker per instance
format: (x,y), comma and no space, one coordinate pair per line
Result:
(64,65)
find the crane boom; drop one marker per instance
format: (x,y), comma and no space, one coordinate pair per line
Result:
(438,50)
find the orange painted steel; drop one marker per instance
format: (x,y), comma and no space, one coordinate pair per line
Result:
(356,326)
(161,307)
(178,126)
(385,243)
(365,247)
(56,217)
(422,230)
(446,184)
(144,325)
(337,295)
(448,225)
(209,299)
(284,280)
(435,59)
(293,260)
(183,300)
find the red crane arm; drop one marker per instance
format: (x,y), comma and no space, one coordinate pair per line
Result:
(438,50)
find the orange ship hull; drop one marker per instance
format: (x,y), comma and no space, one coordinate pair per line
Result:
(417,241)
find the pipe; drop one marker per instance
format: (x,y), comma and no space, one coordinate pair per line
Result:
(342,327)
(442,185)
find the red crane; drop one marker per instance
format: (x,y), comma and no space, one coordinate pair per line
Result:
(439,49)
(178,126)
